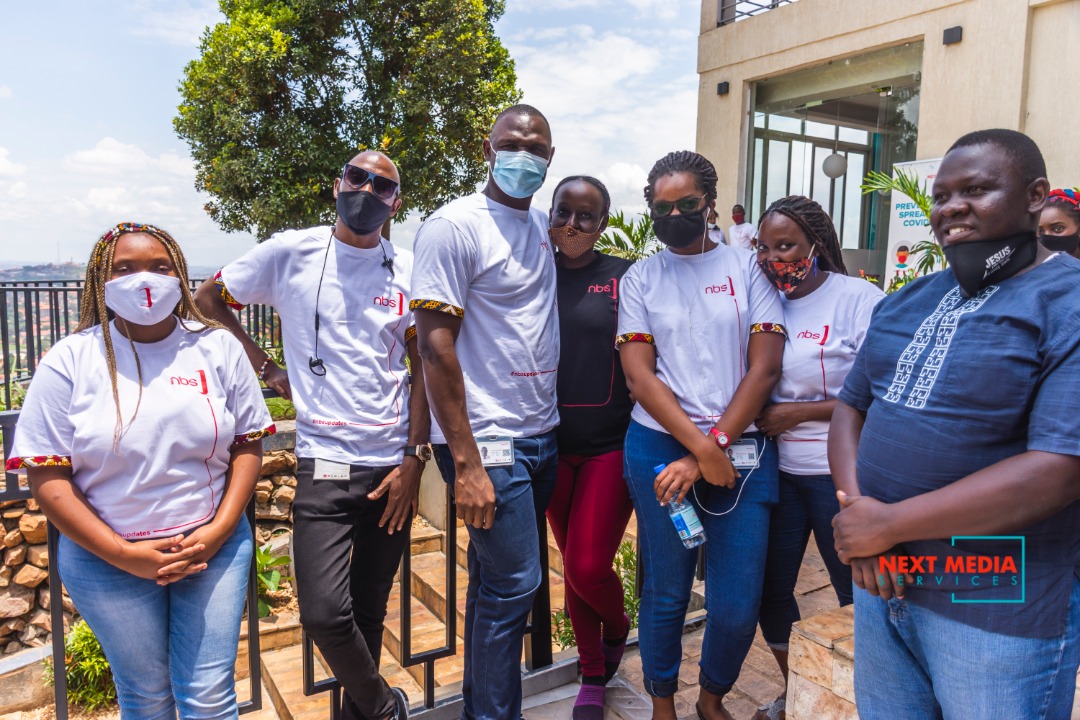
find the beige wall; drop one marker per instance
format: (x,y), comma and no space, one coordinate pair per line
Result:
(1015,68)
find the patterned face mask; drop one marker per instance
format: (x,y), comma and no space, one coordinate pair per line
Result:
(787,276)
(571,242)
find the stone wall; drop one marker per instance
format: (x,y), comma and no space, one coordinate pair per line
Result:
(25,621)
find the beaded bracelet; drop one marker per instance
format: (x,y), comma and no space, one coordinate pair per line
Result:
(262,368)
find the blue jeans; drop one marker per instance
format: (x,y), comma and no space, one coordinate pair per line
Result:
(735,563)
(171,648)
(504,575)
(807,502)
(914,664)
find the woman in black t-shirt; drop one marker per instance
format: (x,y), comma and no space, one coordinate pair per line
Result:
(591,506)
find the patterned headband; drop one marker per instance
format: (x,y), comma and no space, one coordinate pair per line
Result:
(1067,196)
(124,228)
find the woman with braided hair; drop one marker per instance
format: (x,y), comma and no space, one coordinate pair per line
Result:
(701,340)
(826,314)
(1059,224)
(141,436)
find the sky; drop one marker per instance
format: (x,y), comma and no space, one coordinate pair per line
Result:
(88,92)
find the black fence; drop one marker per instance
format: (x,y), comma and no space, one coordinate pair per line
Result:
(730,11)
(35,315)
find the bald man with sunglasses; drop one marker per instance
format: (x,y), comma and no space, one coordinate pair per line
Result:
(362,428)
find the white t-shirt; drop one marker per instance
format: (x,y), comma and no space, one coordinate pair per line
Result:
(717,236)
(699,311)
(493,266)
(741,235)
(199,397)
(825,331)
(358,411)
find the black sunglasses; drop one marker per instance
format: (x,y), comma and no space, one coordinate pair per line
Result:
(358,177)
(686,205)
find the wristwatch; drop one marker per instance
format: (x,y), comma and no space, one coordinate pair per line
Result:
(720,437)
(420,452)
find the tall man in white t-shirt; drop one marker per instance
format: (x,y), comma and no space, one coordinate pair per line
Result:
(484,289)
(361,431)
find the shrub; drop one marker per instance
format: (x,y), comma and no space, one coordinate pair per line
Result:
(268,575)
(89,678)
(626,568)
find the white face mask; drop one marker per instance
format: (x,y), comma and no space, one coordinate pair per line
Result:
(143,298)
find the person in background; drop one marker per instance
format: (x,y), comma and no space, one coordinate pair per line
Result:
(701,340)
(154,549)
(716,233)
(590,507)
(362,427)
(488,327)
(742,234)
(955,441)
(1059,224)
(826,314)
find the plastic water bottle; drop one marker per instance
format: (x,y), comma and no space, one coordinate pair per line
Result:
(685,518)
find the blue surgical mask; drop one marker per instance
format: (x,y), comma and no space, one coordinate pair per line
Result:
(518,174)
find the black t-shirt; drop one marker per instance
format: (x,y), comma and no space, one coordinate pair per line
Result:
(594,404)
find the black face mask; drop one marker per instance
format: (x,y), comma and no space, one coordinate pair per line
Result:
(1061,243)
(361,211)
(986,262)
(679,231)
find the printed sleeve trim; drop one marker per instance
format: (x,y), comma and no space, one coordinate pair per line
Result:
(634,337)
(410,333)
(225,294)
(254,435)
(437,306)
(768,327)
(18,463)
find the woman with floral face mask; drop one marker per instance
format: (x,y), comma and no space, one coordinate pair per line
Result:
(826,314)
(1059,224)
(590,507)
(141,435)
(701,340)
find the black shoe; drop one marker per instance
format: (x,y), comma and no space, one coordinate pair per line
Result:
(401,704)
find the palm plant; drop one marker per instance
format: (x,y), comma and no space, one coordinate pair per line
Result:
(632,239)
(927,254)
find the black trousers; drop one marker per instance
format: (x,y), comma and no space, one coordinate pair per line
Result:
(345,566)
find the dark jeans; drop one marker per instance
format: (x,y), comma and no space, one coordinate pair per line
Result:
(807,503)
(342,593)
(504,575)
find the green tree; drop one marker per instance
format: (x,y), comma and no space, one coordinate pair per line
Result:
(927,254)
(628,238)
(285,90)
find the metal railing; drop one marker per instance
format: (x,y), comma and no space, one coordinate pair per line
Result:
(12,489)
(731,11)
(35,315)
(538,642)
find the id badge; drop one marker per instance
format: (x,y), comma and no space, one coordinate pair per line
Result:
(328,470)
(743,454)
(495,451)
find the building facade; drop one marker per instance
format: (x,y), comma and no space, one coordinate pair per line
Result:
(785,85)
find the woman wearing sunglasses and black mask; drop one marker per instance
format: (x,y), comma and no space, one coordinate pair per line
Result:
(701,341)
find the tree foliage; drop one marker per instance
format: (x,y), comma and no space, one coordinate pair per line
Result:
(629,238)
(285,91)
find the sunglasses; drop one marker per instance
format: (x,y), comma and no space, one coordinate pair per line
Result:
(686,205)
(358,177)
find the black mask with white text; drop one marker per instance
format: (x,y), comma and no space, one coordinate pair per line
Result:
(981,263)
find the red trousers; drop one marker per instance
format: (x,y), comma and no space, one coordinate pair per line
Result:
(588,515)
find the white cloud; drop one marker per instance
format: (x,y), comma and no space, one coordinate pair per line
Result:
(17,190)
(180,22)
(5,92)
(665,9)
(9,168)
